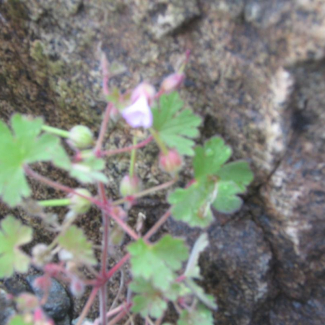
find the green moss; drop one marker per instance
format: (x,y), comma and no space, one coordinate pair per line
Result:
(37,52)
(17,10)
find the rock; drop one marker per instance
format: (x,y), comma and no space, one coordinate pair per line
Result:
(6,308)
(163,17)
(65,321)
(294,195)
(232,8)
(58,303)
(256,76)
(17,284)
(236,268)
(266,13)
(293,312)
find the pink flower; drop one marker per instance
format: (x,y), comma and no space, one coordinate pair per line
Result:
(138,114)
(144,89)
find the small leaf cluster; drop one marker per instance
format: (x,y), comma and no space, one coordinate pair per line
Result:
(25,145)
(155,278)
(176,127)
(153,270)
(160,274)
(216,184)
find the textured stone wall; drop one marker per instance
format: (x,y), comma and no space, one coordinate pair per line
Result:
(256,76)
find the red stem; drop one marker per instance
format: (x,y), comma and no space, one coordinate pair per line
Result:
(104,66)
(118,317)
(101,205)
(126,149)
(59,186)
(126,257)
(88,305)
(117,266)
(145,192)
(105,217)
(114,312)
(181,278)
(123,225)
(103,129)
(157,225)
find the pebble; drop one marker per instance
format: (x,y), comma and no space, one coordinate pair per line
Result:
(58,303)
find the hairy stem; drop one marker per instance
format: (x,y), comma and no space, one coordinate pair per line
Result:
(105,220)
(114,312)
(151,232)
(124,226)
(58,186)
(157,225)
(118,317)
(146,192)
(127,149)
(67,189)
(56,131)
(133,157)
(103,129)
(88,305)
(54,203)
(160,144)
(117,266)
(103,198)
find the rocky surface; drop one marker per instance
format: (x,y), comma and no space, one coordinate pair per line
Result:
(58,303)
(6,308)
(256,76)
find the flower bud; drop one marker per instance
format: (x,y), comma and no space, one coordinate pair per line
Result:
(81,137)
(41,255)
(65,255)
(171,162)
(79,204)
(26,302)
(144,89)
(130,185)
(77,286)
(172,82)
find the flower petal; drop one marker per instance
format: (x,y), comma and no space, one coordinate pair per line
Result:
(138,114)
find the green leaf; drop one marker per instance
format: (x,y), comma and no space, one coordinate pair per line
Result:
(199,293)
(201,315)
(175,127)
(227,200)
(192,205)
(19,320)
(13,235)
(149,301)
(192,268)
(75,242)
(209,159)
(88,171)
(155,262)
(238,172)
(25,146)
(152,301)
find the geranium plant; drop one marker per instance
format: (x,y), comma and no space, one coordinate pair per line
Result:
(163,271)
